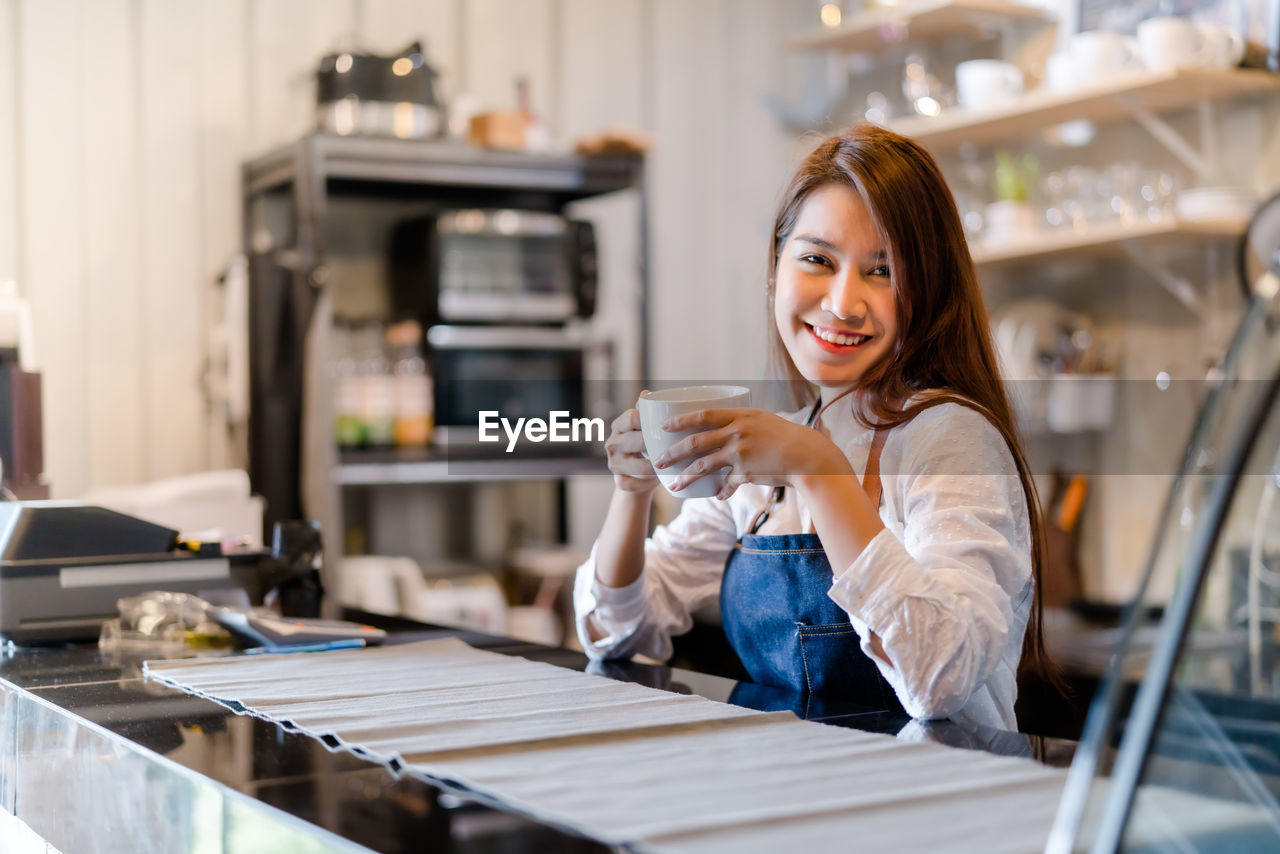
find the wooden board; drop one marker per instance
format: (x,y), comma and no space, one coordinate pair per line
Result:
(886,27)
(1103,239)
(1032,113)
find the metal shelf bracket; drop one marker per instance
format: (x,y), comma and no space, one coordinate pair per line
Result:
(1178,287)
(1196,159)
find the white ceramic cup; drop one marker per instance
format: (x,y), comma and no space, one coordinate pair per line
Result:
(1008,220)
(657,406)
(1169,43)
(1098,55)
(982,83)
(1224,46)
(1060,72)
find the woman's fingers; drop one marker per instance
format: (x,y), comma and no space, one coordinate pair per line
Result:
(630,464)
(632,468)
(625,436)
(631,460)
(730,486)
(627,421)
(690,446)
(700,420)
(700,468)
(630,442)
(624,447)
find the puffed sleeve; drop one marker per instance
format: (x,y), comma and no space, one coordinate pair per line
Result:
(683,565)
(950,596)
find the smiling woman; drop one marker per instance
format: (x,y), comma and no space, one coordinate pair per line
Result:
(834,305)
(882,542)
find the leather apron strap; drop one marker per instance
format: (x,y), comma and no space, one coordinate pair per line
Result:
(871,477)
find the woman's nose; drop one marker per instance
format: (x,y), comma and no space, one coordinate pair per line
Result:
(845,299)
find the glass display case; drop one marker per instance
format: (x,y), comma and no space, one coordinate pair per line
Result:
(1181,750)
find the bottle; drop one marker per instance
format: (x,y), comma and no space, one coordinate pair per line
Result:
(347,406)
(377,388)
(537,136)
(414,406)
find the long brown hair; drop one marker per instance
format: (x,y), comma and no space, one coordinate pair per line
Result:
(944,344)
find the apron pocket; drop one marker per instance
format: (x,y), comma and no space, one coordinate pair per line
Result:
(825,650)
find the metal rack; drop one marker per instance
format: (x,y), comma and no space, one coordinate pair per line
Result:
(286,195)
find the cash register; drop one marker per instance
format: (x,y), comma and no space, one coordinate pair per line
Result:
(64,564)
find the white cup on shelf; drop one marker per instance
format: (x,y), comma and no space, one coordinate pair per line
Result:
(1100,55)
(1008,221)
(1169,43)
(1224,45)
(1060,72)
(985,83)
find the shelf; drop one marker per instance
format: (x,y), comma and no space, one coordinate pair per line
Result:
(1118,99)
(440,165)
(436,465)
(1102,240)
(931,20)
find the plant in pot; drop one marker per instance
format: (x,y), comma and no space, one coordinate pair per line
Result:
(1011,215)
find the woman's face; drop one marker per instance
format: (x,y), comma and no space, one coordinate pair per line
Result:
(833,302)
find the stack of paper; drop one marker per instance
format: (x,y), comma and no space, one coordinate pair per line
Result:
(628,764)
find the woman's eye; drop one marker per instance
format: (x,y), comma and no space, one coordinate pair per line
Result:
(881,271)
(815,259)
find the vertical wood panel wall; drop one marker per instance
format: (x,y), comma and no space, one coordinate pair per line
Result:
(52,217)
(116,419)
(8,141)
(222,80)
(123,124)
(170,130)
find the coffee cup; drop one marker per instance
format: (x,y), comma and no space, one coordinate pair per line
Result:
(1169,43)
(984,83)
(657,406)
(1059,72)
(1099,55)
(1224,46)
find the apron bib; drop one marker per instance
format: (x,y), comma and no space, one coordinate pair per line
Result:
(784,627)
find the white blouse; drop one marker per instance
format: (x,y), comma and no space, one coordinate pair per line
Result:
(947,585)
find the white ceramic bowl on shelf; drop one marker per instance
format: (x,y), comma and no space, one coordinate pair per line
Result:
(1205,203)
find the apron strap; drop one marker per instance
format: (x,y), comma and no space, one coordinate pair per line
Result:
(871,478)
(775,497)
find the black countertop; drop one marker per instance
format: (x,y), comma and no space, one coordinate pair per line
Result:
(96,759)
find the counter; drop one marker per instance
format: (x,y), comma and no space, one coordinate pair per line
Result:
(94,758)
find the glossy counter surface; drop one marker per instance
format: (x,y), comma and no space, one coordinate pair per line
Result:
(96,759)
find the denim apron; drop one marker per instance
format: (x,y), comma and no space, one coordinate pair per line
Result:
(780,621)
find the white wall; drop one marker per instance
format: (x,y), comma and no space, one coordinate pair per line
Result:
(123,124)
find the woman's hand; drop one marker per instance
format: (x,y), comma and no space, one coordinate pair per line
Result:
(631,471)
(757,446)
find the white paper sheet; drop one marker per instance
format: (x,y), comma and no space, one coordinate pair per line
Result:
(629,764)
